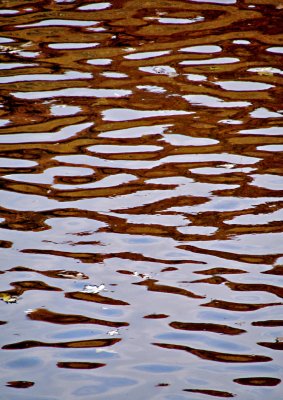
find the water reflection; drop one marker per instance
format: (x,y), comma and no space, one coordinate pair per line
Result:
(141,200)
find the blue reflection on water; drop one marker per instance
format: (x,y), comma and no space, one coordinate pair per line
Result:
(203,338)
(158,368)
(104,385)
(24,362)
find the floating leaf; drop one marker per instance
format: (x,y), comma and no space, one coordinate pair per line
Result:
(266,71)
(10,49)
(93,289)
(129,49)
(29,311)
(113,332)
(8,298)
(229,166)
(71,274)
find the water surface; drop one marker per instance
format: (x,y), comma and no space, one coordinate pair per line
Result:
(141,200)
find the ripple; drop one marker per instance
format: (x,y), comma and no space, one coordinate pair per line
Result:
(141,201)
(64,133)
(72,46)
(146,55)
(16,163)
(76,344)
(106,149)
(16,65)
(215,356)
(117,114)
(202,49)
(216,61)
(94,6)
(210,101)
(44,77)
(71,92)
(58,22)
(258,381)
(180,20)
(243,86)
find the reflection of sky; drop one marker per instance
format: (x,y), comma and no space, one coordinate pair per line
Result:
(64,133)
(94,6)
(136,132)
(202,339)
(64,236)
(59,22)
(145,55)
(106,182)
(202,49)
(136,164)
(68,75)
(272,131)
(73,92)
(47,176)
(244,86)
(149,219)
(263,243)
(215,102)
(16,163)
(268,181)
(224,204)
(127,114)
(256,219)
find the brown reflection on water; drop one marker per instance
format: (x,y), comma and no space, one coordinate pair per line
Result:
(57,318)
(78,344)
(232,306)
(20,384)
(97,298)
(152,286)
(217,328)
(216,393)
(260,381)
(141,199)
(80,365)
(216,356)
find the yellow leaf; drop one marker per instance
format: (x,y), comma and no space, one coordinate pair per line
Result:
(8,298)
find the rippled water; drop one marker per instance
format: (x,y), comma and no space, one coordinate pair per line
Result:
(141,199)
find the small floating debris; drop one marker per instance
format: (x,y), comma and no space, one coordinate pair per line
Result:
(72,274)
(113,332)
(144,276)
(8,298)
(93,289)
(103,350)
(135,273)
(29,311)
(129,49)
(228,166)
(5,48)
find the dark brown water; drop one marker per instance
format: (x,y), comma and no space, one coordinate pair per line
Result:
(141,200)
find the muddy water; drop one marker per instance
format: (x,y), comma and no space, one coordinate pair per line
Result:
(141,200)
